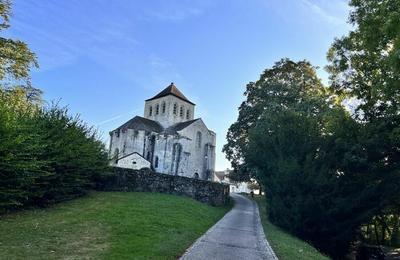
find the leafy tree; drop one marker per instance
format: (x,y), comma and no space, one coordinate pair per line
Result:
(365,64)
(311,166)
(284,84)
(16,60)
(325,174)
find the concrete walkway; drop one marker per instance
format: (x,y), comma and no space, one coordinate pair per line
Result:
(238,235)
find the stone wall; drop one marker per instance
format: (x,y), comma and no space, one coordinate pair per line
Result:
(121,179)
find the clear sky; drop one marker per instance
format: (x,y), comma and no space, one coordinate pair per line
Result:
(104,58)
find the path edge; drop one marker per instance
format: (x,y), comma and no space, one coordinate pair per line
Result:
(261,235)
(195,243)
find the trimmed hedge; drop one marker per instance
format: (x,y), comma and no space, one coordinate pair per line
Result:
(46,155)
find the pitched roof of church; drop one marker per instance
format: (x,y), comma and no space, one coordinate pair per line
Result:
(179,126)
(141,123)
(171,90)
(129,154)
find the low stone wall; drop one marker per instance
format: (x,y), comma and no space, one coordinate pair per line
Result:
(121,179)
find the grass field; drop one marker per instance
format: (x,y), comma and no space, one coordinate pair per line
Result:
(108,225)
(286,246)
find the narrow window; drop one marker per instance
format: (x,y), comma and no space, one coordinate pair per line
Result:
(175,108)
(163,107)
(150,111)
(187,114)
(156,162)
(181,111)
(157,109)
(198,139)
(116,155)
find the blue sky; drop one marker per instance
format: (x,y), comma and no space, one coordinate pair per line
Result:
(104,58)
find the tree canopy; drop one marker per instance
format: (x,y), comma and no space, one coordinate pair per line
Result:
(365,64)
(330,178)
(286,83)
(16,59)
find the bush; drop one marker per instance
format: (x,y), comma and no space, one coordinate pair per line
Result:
(46,155)
(324,182)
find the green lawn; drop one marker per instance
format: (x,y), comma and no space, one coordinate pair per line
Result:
(108,225)
(286,246)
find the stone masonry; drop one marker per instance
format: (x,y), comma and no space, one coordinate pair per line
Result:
(145,180)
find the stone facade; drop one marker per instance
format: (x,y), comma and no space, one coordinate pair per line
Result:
(168,137)
(122,179)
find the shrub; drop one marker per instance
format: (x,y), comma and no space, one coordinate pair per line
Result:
(46,156)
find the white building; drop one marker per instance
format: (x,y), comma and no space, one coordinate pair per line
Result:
(167,138)
(234,187)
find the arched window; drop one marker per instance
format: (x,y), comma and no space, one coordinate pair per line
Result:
(175,108)
(156,162)
(116,155)
(198,140)
(150,111)
(157,109)
(181,111)
(187,114)
(163,107)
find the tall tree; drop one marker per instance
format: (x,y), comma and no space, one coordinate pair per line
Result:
(284,84)
(365,64)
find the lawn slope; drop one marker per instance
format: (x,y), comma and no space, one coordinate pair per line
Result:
(286,246)
(108,225)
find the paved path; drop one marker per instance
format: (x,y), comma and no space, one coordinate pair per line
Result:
(238,235)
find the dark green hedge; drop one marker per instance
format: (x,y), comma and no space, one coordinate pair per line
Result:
(46,156)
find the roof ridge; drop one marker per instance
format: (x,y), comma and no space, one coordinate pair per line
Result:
(171,89)
(146,123)
(129,154)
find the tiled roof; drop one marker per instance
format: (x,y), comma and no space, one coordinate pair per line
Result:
(141,123)
(179,126)
(171,90)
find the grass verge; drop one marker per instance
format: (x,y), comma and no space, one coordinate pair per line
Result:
(285,246)
(108,225)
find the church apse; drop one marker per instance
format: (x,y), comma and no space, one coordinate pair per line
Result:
(168,137)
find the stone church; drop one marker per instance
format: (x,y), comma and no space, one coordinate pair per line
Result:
(166,139)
